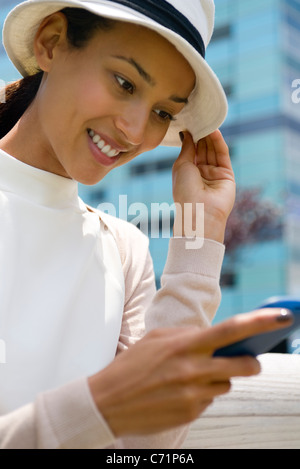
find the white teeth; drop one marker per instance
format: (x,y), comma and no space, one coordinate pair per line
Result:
(102,145)
(106,149)
(96,139)
(112,153)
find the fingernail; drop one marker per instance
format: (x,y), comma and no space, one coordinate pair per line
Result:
(181,135)
(285,316)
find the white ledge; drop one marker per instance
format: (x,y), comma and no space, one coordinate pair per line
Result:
(261,412)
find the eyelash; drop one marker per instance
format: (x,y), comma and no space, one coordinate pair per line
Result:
(131,88)
(167,116)
(120,79)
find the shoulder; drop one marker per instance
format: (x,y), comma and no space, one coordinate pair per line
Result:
(135,256)
(132,243)
(123,229)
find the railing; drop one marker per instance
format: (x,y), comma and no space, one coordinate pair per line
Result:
(261,412)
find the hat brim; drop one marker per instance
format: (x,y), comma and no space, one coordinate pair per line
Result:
(207,107)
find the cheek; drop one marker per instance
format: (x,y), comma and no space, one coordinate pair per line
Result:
(94,99)
(155,137)
(82,98)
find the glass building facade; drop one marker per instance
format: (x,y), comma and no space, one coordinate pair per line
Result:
(256,54)
(255,51)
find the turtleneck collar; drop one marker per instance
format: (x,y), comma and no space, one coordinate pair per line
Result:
(36,185)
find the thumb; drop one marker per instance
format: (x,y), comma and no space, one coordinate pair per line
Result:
(188,151)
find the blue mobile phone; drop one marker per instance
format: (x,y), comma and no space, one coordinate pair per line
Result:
(263,343)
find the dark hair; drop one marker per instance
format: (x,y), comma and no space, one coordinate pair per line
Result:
(82,25)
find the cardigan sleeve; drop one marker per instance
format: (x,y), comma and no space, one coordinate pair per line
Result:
(190,291)
(63,418)
(190,295)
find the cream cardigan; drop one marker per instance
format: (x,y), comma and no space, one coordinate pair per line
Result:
(65,416)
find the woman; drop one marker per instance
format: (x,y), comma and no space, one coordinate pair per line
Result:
(104,82)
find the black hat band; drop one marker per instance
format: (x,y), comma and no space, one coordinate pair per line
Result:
(168,16)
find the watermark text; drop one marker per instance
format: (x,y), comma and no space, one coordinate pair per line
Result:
(296,346)
(162,220)
(296,92)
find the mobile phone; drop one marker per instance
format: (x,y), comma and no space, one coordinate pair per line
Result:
(263,343)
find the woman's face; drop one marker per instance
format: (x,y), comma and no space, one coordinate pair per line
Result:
(102,105)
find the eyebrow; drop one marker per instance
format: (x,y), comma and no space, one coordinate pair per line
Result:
(177,99)
(139,68)
(148,78)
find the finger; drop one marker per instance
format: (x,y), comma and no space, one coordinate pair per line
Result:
(237,366)
(192,400)
(223,369)
(242,326)
(201,153)
(188,150)
(203,369)
(218,388)
(211,152)
(221,149)
(207,392)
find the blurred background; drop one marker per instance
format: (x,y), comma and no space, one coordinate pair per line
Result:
(255,51)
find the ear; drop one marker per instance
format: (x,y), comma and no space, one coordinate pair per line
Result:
(51,34)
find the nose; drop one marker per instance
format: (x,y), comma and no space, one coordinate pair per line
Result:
(132,121)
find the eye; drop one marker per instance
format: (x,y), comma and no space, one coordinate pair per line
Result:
(125,84)
(164,115)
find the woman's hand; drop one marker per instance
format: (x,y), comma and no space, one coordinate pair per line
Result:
(170,376)
(203,174)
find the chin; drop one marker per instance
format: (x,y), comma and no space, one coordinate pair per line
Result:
(87,179)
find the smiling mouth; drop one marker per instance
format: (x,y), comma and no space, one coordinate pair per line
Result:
(105,147)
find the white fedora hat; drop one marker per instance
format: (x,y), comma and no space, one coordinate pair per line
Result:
(188,24)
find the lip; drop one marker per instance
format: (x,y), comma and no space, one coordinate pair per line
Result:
(101,157)
(117,146)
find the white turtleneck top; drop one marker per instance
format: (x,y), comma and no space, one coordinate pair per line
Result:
(74,291)
(61,284)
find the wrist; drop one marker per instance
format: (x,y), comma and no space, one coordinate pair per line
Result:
(199,225)
(215,231)
(103,401)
